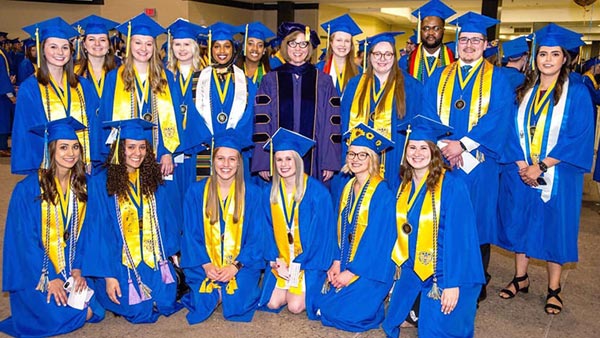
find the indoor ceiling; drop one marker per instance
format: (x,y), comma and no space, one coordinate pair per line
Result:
(517,16)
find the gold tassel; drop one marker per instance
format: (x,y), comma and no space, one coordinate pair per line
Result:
(246,41)
(127,46)
(419,28)
(326,287)
(435,292)
(115,158)
(42,285)
(37,46)
(408,131)
(209,47)
(365,56)
(145,291)
(307,33)
(231,286)
(328,34)
(271,158)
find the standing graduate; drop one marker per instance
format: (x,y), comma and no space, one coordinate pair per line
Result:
(55,92)
(551,147)
(437,249)
(515,59)
(222,244)
(362,271)
(300,98)
(7,102)
(132,230)
(339,58)
(42,243)
(255,59)
(300,231)
(27,67)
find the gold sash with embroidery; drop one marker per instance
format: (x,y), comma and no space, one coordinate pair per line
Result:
(53,224)
(163,113)
(222,248)
(426,249)
(382,123)
(58,105)
(480,95)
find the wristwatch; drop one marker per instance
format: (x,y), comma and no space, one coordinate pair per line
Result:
(543,166)
(462,145)
(238,265)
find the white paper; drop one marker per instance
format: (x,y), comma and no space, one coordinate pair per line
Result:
(112,136)
(168,177)
(294,279)
(179,158)
(469,161)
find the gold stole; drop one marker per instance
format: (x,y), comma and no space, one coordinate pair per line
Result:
(362,219)
(54,226)
(540,105)
(479,103)
(163,113)
(426,248)
(591,76)
(222,248)
(439,61)
(148,249)
(58,105)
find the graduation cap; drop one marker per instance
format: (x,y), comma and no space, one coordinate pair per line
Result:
(514,48)
(287,28)
(29,42)
(365,136)
(591,62)
(323,54)
(413,38)
(375,39)
(94,24)
(62,129)
(361,45)
(220,31)
(132,129)
(142,24)
(4,34)
(255,30)
(274,43)
(555,35)
(490,51)
(230,138)
(285,139)
(343,23)
(51,28)
(183,29)
(472,22)
(14,40)
(433,8)
(422,128)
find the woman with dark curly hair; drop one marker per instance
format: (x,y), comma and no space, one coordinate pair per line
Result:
(437,249)
(43,248)
(132,230)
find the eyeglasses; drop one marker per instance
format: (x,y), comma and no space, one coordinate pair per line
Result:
(361,156)
(474,41)
(432,28)
(294,44)
(380,55)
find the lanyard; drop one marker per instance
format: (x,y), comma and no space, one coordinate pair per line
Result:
(142,96)
(222,91)
(63,95)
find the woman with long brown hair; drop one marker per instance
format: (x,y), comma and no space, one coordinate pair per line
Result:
(222,243)
(42,246)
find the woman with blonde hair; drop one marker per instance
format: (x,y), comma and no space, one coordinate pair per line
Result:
(222,243)
(300,235)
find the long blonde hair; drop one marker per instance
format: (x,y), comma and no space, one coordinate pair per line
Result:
(350,68)
(298,181)
(157,83)
(373,163)
(212,200)
(173,63)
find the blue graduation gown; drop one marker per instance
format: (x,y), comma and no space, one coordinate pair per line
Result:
(490,133)
(549,230)
(27,148)
(316,224)
(22,267)
(514,77)
(5,105)
(413,92)
(359,306)
(25,70)
(241,305)
(321,66)
(104,247)
(458,265)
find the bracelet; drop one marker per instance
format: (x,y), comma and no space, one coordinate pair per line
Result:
(543,166)
(238,265)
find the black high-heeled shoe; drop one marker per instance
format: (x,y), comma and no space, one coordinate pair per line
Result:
(515,282)
(548,306)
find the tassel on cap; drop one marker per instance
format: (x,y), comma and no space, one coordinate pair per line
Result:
(115,158)
(209,47)
(169,53)
(46,160)
(37,46)
(307,33)
(246,41)
(127,46)
(419,28)
(328,35)
(408,131)
(365,56)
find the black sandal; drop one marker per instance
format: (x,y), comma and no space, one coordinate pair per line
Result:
(515,282)
(548,306)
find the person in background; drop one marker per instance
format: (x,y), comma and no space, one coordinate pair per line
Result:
(255,59)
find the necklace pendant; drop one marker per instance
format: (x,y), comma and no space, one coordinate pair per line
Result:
(66,235)
(459,104)
(350,238)
(183,109)
(290,238)
(222,117)
(147,116)
(222,238)
(407,228)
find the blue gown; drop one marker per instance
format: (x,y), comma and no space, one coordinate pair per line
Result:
(241,305)
(25,70)
(413,93)
(359,306)
(21,270)
(321,66)
(104,246)
(514,77)
(549,230)
(28,149)
(458,265)
(490,133)
(6,106)
(317,236)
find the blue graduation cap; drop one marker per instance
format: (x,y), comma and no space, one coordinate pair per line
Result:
(286,28)
(514,48)
(434,8)
(361,45)
(472,22)
(132,129)
(230,138)
(222,31)
(555,35)
(591,62)
(323,54)
(274,42)
(51,28)
(343,23)
(257,30)
(62,129)
(16,40)
(183,29)
(413,38)
(363,135)
(285,139)
(490,51)
(94,24)
(383,37)
(422,128)
(28,43)
(3,34)
(142,24)
(202,41)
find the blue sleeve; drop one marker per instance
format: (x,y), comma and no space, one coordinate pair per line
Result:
(251,251)
(25,70)
(271,252)
(27,149)
(5,85)
(170,230)
(193,248)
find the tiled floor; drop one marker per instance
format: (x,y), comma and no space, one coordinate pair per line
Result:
(521,317)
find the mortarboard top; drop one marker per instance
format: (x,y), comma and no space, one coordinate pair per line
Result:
(323,54)
(94,24)
(183,29)
(222,31)
(383,37)
(274,42)
(490,51)
(28,43)
(62,129)
(514,48)
(285,139)
(472,22)
(343,23)
(286,28)
(421,128)
(132,129)
(142,24)
(3,34)
(591,62)
(413,38)
(555,35)
(434,8)
(51,28)
(230,138)
(365,136)
(256,30)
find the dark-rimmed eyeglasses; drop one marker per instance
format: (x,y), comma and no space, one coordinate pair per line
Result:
(361,156)
(380,55)
(294,44)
